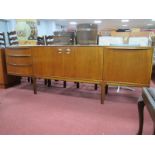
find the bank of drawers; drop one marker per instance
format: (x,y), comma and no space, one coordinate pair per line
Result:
(19,61)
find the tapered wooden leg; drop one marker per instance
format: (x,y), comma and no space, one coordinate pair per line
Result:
(64,84)
(28,79)
(106,89)
(49,83)
(102,93)
(77,85)
(95,87)
(141,115)
(45,82)
(34,85)
(31,80)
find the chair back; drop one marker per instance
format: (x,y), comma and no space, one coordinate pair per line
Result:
(49,40)
(2,40)
(12,37)
(40,40)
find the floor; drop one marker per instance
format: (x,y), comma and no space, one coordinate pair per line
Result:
(57,110)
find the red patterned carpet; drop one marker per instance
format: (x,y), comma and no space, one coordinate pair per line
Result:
(58,110)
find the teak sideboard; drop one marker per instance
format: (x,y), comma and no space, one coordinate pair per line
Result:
(129,66)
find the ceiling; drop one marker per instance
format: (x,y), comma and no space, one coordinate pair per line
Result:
(110,23)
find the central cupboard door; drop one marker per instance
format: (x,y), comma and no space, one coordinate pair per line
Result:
(48,62)
(89,63)
(69,54)
(53,62)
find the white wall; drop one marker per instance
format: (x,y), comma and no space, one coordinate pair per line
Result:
(4,28)
(11,25)
(47,27)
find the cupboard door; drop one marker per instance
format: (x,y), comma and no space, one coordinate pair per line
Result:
(89,63)
(41,61)
(126,66)
(56,62)
(69,62)
(47,62)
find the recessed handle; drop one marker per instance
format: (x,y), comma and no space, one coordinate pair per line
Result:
(60,50)
(68,50)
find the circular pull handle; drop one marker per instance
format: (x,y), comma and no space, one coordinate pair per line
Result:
(68,50)
(59,49)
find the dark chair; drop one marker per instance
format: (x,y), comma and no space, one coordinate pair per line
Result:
(2,40)
(49,40)
(40,40)
(148,99)
(12,37)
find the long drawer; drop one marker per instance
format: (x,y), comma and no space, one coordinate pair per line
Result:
(19,60)
(19,51)
(23,70)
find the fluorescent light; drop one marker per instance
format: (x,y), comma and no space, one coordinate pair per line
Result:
(97,21)
(73,23)
(125,20)
(149,24)
(124,25)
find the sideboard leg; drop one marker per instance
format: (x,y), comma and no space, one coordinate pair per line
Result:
(95,87)
(28,79)
(45,81)
(31,79)
(49,83)
(102,93)
(77,85)
(106,89)
(64,84)
(34,85)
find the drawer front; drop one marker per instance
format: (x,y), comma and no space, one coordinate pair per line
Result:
(18,51)
(19,60)
(23,70)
